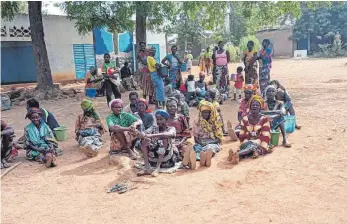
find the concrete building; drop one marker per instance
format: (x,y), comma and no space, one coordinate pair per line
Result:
(67,50)
(281,39)
(70,54)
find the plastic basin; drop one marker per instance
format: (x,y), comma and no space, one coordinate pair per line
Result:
(61,133)
(91,92)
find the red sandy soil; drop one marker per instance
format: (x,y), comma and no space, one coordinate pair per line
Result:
(304,184)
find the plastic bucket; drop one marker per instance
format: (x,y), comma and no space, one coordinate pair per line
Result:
(91,92)
(60,133)
(275,137)
(290,123)
(184,67)
(164,71)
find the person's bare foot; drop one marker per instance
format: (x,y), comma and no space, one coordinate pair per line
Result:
(132,155)
(286,144)
(233,157)
(202,158)
(192,159)
(155,173)
(49,160)
(209,155)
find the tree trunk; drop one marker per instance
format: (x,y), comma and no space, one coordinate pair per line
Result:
(44,75)
(141,25)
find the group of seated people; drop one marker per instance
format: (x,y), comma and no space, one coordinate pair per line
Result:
(161,137)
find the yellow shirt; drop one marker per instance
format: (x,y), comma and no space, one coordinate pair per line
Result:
(249,55)
(151,64)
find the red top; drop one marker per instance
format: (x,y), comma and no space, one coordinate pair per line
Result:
(239,81)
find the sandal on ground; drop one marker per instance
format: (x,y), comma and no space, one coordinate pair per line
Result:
(143,173)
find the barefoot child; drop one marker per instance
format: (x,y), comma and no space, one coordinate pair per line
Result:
(238,83)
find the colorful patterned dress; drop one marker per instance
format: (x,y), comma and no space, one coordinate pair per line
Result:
(265,68)
(164,147)
(254,138)
(179,122)
(251,76)
(123,120)
(147,85)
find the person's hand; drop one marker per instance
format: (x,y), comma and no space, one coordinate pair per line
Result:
(115,128)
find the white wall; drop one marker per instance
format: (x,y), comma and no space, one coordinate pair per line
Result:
(156,38)
(60,35)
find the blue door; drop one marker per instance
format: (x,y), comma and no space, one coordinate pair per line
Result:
(17,62)
(157,52)
(84,58)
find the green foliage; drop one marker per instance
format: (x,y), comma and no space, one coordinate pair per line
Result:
(9,9)
(244,41)
(320,24)
(234,51)
(87,14)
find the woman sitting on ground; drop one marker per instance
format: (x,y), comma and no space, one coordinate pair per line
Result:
(249,91)
(208,134)
(158,146)
(39,143)
(7,134)
(179,122)
(46,116)
(283,95)
(144,113)
(88,129)
(255,132)
(123,129)
(276,111)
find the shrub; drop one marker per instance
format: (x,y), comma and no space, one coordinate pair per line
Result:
(244,41)
(234,52)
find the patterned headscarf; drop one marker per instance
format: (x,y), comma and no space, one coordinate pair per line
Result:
(115,101)
(89,110)
(270,87)
(171,100)
(256,98)
(142,100)
(214,124)
(87,105)
(162,113)
(33,110)
(250,87)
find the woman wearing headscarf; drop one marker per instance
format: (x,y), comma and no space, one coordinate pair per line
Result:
(145,114)
(158,146)
(39,141)
(157,80)
(276,111)
(249,91)
(255,132)
(145,74)
(123,129)
(179,122)
(88,129)
(208,133)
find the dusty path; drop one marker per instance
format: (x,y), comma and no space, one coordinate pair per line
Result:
(304,184)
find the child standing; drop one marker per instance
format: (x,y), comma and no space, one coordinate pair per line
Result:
(238,79)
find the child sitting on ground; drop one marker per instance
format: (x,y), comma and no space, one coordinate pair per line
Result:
(183,107)
(190,86)
(238,79)
(201,87)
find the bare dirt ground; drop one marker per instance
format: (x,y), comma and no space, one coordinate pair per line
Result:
(304,184)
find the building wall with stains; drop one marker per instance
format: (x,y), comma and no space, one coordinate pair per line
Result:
(60,35)
(283,44)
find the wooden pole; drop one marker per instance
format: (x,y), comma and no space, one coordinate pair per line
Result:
(10,168)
